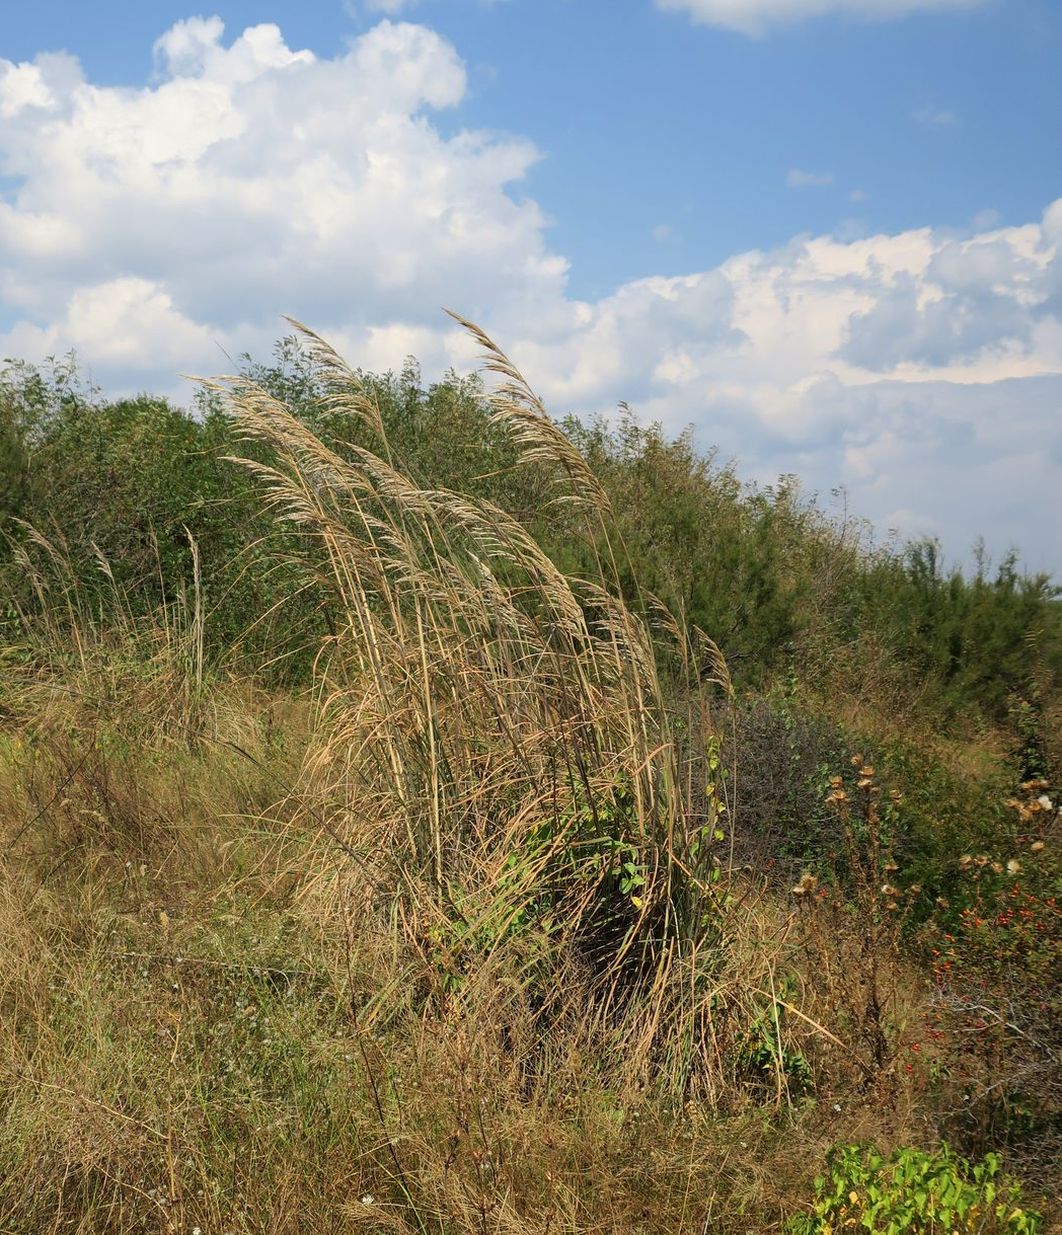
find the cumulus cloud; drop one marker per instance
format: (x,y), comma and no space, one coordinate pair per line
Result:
(127,324)
(251,179)
(156,228)
(756,16)
(923,371)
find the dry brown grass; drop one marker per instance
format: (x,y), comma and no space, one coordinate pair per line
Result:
(239,1046)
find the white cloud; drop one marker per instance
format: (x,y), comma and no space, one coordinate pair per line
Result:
(127,324)
(23,87)
(920,370)
(756,16)
(252,180)
(156,228)
(797,179)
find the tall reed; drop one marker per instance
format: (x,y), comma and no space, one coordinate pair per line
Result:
(497,743)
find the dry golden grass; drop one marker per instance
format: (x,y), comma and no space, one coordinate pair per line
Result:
(222,1030)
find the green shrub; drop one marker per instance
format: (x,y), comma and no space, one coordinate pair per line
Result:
(914,1192)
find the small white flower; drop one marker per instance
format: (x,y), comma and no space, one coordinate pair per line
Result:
(368,1199)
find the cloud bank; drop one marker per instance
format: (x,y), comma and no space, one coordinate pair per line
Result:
(156,229)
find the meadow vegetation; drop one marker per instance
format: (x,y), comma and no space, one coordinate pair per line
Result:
(419,814)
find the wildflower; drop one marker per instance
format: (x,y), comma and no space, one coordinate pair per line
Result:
(914,889)
(888,890)
(1036,846)
(368,1199)
(997,868)
(807,882)
(1045,802)
(891,866)
(1013,866)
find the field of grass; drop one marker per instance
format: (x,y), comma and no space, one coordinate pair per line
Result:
(471,885)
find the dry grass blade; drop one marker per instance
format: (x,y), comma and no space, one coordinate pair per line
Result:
(539,440)
(345,389)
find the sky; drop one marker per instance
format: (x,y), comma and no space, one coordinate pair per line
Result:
(824,233)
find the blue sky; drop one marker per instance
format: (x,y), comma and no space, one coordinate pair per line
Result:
(823,231)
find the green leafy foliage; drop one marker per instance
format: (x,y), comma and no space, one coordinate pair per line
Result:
(14,468)
(913,1192)
(781,587)
(977,638)
(766,1058)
